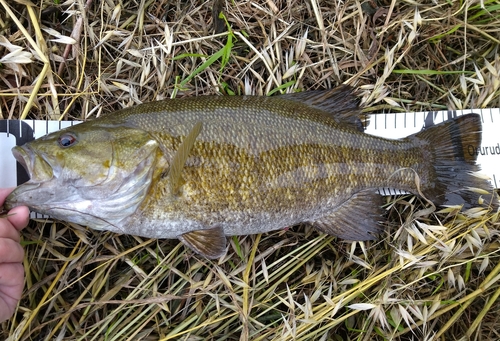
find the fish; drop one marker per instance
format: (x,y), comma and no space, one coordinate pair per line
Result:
(200,169)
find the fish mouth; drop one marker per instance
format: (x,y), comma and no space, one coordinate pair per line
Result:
(20,155)
(39,171)
(37,167)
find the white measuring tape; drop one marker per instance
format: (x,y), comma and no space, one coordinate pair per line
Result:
(392,126)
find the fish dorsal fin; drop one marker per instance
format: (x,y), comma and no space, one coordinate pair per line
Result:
(338,103)
(210,243)
(180,157)
(356,219)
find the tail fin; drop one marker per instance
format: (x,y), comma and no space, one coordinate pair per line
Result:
(454,164)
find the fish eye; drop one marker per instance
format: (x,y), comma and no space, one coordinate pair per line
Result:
(66,140)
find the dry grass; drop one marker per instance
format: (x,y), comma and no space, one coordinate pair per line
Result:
(432,278)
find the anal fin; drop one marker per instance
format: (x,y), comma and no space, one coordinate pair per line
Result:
(210,243)
(358,218)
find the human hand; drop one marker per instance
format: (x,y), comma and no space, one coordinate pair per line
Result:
(11,257)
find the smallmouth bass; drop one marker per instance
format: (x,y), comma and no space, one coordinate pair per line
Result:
(200,169)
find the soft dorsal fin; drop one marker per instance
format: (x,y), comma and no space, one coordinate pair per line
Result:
(180,157)
(338,103)
(210,243)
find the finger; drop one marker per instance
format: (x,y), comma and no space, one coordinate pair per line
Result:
(12,276)
(4,193)
(11,288)
(10,251)
(19,217)
(8,231)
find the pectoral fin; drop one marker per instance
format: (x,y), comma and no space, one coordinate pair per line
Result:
(180,157)
(356,219)
(210,243)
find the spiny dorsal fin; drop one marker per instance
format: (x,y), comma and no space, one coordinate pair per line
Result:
(358,218)
(180,157)
(338,103)
(210,243)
